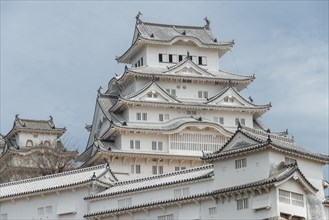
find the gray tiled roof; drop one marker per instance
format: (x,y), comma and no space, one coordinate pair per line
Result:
(52,182)
(35,125)
(167,32)
(282,174)
(162,72)
(264,140)
(157,181)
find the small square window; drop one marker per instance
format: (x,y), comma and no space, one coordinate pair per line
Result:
(144,116)
(138,116)
(160,117)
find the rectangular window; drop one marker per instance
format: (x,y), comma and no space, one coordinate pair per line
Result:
(160,117)
(160,169)
(236,121)
(289,160)
(243,121)
(142,61)
(191,112)
(200,60)
(166,116)
(166,217)
(144,116)
(199,94)
(182,192)
(180,58)
(41,211)
(138,116)
(159,145)
(212,211)
(241,163)
(154,170)
(154,145)
(173,92)
(221,120)
(138,145)
(242,204)
(297,199)
(194,59)
(131,144)
(138,169)
(215,119)
(160,57)
(170,58)
(49,209)
(176,168)
(292,198)
(205,94)
(284,196)
(122,203)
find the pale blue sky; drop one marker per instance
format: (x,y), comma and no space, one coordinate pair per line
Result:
(56,54)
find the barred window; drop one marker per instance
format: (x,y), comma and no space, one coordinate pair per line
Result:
(49,209)
(212,211)
(166,217)
(124,202)
(242,203)
(241,163)
(292,198)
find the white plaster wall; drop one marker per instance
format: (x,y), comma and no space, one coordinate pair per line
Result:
(153,115)
(123,166)
(292,186)
(147,195)
(153,52)
(22,137)
(27,208)
(257,169)
(312,170)
(226,209)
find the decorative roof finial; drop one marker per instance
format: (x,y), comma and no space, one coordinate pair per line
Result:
(239,125)
(16,116)
(269,139)
(251,100)
(207,26)
(138,20)
(51,118)
(99,90)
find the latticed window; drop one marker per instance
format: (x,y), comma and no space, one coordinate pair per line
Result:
(41,211)
(289,160)
(291,198)
(182,192)
(242,204)
(284,196)
(49,209)
(196,141)
(212,211)
(166,217)
(241,163)
(124,202)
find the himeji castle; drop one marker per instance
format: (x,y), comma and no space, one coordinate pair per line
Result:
(172,138)
(171,104)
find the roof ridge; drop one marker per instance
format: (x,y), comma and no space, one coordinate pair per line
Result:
(172,25)
(165,174)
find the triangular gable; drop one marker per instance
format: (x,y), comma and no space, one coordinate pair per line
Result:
(229,97)
(188,68)
(239,141)
(298,178)
(153,93)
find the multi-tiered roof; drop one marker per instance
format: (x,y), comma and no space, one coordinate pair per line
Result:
(169,64)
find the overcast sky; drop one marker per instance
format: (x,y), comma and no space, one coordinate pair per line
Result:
(55,55)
